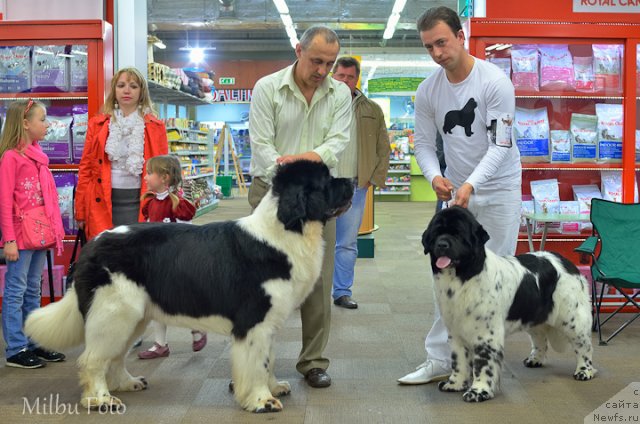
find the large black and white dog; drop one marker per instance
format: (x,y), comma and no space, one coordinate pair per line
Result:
(484,297)
(242,278)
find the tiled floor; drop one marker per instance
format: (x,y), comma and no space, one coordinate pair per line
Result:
(369,349)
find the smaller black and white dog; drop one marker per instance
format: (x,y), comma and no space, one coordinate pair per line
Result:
(484,297)
(242,278)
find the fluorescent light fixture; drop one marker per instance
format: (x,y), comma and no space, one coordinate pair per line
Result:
(503,47)
(398,6)
(282,7)
(159,44)
(287,21)
(196,55)
(80,52)
(39,51)
(394,18)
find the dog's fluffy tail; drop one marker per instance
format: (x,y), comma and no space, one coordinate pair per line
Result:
(557,339)
(58,325)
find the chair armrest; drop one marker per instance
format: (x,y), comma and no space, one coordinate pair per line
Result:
(588,246)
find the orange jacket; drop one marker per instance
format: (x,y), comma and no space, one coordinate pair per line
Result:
(93,193)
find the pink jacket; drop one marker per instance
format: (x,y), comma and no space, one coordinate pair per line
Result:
(19,182)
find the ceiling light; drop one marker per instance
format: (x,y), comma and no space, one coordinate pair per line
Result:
(196,55)
(503,47)
(394,17)
(282,7)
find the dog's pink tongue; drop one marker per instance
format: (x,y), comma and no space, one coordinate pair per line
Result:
(443,262)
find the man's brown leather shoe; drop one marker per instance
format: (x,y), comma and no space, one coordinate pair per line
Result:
(317,377)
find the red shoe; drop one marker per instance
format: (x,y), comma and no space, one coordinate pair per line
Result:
(199,344)
(159,352)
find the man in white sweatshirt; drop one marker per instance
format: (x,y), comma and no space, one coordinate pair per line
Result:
(472,103)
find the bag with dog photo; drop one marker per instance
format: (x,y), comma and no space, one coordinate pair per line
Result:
(546,200)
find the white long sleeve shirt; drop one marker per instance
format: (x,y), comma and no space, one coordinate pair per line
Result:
(281,122)
(456,110)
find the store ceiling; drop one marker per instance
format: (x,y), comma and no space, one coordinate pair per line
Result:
(247,29)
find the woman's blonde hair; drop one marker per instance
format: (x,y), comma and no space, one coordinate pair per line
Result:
(169,166)
(145,104)
(13,134)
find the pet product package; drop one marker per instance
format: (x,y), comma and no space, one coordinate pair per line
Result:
(504,63)
(569,207)
(531,130)
(611,186)
(637,145)
(609,132)
(78,69)
(78,131)
(15,69)
(583,78)
(49,69)
(583,195)
(65,182)
(524,64)
(584,135)
(526,207)
(57,142)
(546,200)
(556,67)
(560,141)
(606,67)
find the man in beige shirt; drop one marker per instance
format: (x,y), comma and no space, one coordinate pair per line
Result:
(299,113)
(366,161)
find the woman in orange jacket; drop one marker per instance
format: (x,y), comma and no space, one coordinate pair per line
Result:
(117,145)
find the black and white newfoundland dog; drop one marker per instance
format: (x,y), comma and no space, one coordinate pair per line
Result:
(242,278)
(484,297)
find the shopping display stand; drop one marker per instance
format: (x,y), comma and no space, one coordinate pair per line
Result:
(225,147)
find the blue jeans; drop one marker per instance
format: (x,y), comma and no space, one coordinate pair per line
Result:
(347,226)
(21,297)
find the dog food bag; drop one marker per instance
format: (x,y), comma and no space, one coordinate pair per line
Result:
(637,145)
(524,66)
(15,69)
(546,200)
(526,207)
(584,134)
(65,182)
(638,69)
(504,63)
(607,67)
(609,132)
(583,78)
(49,69)
(57,142)
(78,68)
(531,130)
(611,186)
(569,207)
(556,67)
(583,195)
(78,131)
(560,141)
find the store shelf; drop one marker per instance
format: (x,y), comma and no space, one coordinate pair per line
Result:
(571,166)
(194,177)
(399,171)
(400,162)
(398,184)
(189,153)
(45,96)
(392,193)
(187,165)
(208,208)
(167,95)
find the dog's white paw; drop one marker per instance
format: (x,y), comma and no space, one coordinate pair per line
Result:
(281,389)
(135,384)
(103,403)
(451,386)
(585,374)
(532,362)
(268,405)
(476,395)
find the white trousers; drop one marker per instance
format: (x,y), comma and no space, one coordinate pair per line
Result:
(499,214)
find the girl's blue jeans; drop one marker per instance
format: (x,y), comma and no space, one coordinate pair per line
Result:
(21,297)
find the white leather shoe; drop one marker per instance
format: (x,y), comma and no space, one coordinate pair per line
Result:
(425,373)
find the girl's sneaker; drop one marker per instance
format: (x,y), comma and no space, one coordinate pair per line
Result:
(25,359)
(48,355)
(155,351)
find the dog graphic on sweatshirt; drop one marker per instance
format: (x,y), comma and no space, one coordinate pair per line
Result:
(463,117)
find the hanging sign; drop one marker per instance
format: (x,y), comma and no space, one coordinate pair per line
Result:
(224,95)
(606,6)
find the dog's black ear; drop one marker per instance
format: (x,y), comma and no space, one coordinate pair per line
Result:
(482,235)
(292,208)
(426,239)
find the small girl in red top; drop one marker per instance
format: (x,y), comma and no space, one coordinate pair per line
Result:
(164,203)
